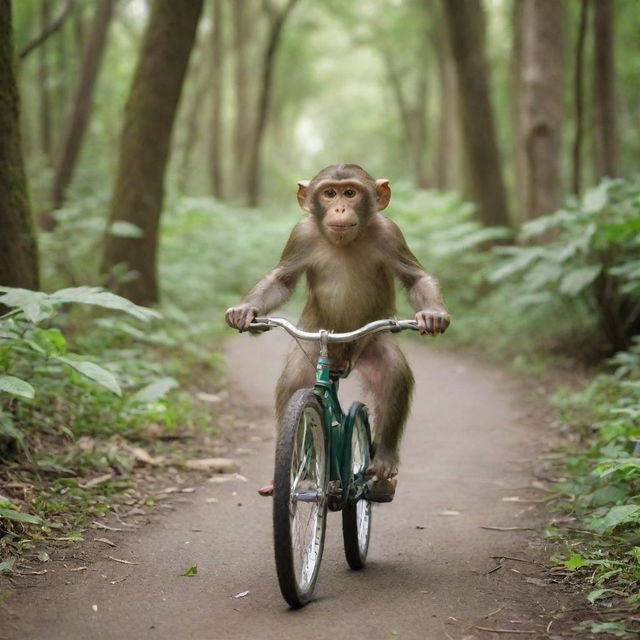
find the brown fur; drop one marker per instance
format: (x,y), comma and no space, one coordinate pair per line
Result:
(350,254)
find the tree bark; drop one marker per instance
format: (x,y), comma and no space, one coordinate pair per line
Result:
(78,118)
(606,141)
(576,179)
(144,147)
(242,124)
(18,249)
(541,102)
(447,174)
(264,97)
(217,88)
(44,104)
(465,27)
(192,122)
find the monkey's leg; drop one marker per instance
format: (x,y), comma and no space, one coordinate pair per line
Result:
(390,381)
(298,373)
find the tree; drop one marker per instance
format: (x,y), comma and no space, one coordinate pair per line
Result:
(447,175)
(78,117)
(578,83)
(18,250)
(144,147)
(277,18)
(242,123)
(465,27)
(604,90)
(541,105)
(217,87)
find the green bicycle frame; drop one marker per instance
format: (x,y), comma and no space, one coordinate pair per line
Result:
(338,428)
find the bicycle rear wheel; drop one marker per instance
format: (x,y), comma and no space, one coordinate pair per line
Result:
(356,515)
(300,497)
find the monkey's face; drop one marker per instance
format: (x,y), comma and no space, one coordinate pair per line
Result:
(341,209)
(343,198)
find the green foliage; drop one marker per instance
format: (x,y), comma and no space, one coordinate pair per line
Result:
(604,477)
(213,253)
(584,257)
(64,415)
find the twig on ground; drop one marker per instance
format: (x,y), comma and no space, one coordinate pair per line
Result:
(508,528)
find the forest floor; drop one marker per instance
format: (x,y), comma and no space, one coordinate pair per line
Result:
(459,554)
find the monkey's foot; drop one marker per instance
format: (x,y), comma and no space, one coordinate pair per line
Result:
(267,490)
(381,490)
(383,481)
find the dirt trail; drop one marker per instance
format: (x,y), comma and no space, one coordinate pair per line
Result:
(468,446)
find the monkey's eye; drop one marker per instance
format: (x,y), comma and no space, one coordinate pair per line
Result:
(330,193)
(349,193)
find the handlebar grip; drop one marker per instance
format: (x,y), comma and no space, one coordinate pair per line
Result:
(257,327)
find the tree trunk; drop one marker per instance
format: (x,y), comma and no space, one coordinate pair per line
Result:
(448,142)
(144,147)
(604,99)
(264,98)
(412,117)
(44,104)
(576,180)
(242,123)
(78,118)
(18,250)
(465,26)
(541,99)
(191,124)
(217,88)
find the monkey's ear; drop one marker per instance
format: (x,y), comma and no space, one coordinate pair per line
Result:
(383,192)
(303,190)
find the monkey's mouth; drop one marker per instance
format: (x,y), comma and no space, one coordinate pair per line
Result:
(341,227)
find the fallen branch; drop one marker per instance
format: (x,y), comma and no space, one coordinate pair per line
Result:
(508,528)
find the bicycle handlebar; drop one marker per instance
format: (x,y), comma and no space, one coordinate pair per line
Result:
(390,324)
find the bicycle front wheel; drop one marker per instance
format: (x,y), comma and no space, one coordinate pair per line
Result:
(356,515)
(300,497)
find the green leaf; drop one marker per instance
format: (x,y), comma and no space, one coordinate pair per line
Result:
(154,391)
(596,199)
(33,304)
(8,428)
(123,229)
(577,279)
(191,571)
(575,561)
(7,565)
(18,516)
(51,340)
(596,594)
(94,372)
(16,387)
(98,297)
(616,516)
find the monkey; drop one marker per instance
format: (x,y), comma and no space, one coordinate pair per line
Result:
(350,254)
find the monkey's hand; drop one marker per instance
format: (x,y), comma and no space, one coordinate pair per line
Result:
(433,320)
(240,316)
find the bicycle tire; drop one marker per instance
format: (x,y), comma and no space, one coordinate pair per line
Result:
(356,514)
(300,497)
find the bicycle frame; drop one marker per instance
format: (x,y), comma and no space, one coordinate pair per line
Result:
(338,428)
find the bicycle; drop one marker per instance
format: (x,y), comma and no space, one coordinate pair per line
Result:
(322,455)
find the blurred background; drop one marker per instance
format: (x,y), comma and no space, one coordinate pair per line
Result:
(162,140)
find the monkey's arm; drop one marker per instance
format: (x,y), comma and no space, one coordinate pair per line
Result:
(424,292)
(275,288)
